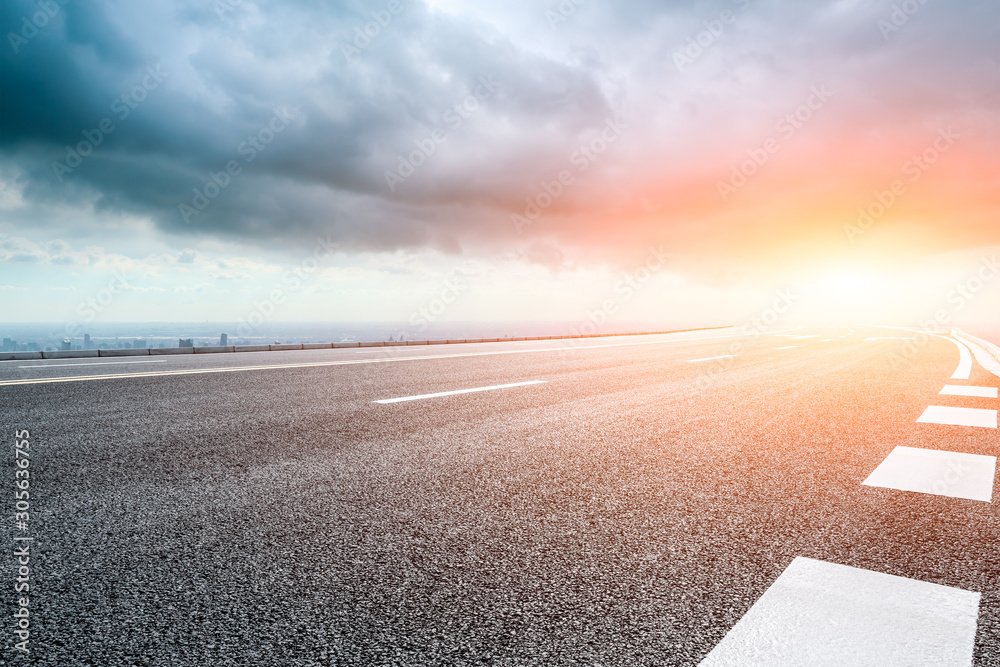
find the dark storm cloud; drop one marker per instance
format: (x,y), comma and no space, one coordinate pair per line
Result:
(350,107)
(226,76)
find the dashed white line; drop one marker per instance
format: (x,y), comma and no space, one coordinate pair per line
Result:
(787,347)
(980,392)
(818,613)
(96,363)
(724,356)
(459,391)
(951,474)
(939,414)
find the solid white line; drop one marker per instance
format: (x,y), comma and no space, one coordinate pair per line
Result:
(319,364)
(818,613)
(980,392)
(724,356)
(985,359)
(459,391)
(97,363)
(951,474)
(826,340)
(964,369)
(787,347)
(939,414)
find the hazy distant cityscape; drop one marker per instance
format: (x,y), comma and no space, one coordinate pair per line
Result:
(142,335)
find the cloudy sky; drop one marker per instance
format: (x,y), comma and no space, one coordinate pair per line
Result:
(683,162)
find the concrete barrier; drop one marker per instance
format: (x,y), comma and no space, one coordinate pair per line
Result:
(214,349)
(70,354)
(338,346)
(19,356)
(417,342)
(437,342)
(286,346)
(156,351)
(251,348)
(377,343)
(123,353)
(317,346)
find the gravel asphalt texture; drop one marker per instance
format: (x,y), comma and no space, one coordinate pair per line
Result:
(627,512)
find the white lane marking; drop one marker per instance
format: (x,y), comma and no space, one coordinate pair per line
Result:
(96,363)
(459,391)
(801,337)
(319,364)
(826,340)
(787,347)
(939,414)
(819,613)
(951,474)
(980,392)
(724,356)
(985,359)
(891,338)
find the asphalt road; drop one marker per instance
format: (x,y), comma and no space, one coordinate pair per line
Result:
(628,508)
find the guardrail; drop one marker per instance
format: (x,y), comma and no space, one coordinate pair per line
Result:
(218,349)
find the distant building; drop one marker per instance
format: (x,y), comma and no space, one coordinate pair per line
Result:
(66,346)
(224,340)
(185,342)
(86,342)
(9,345)
(139,344)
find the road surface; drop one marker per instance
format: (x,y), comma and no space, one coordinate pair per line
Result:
(799,497)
